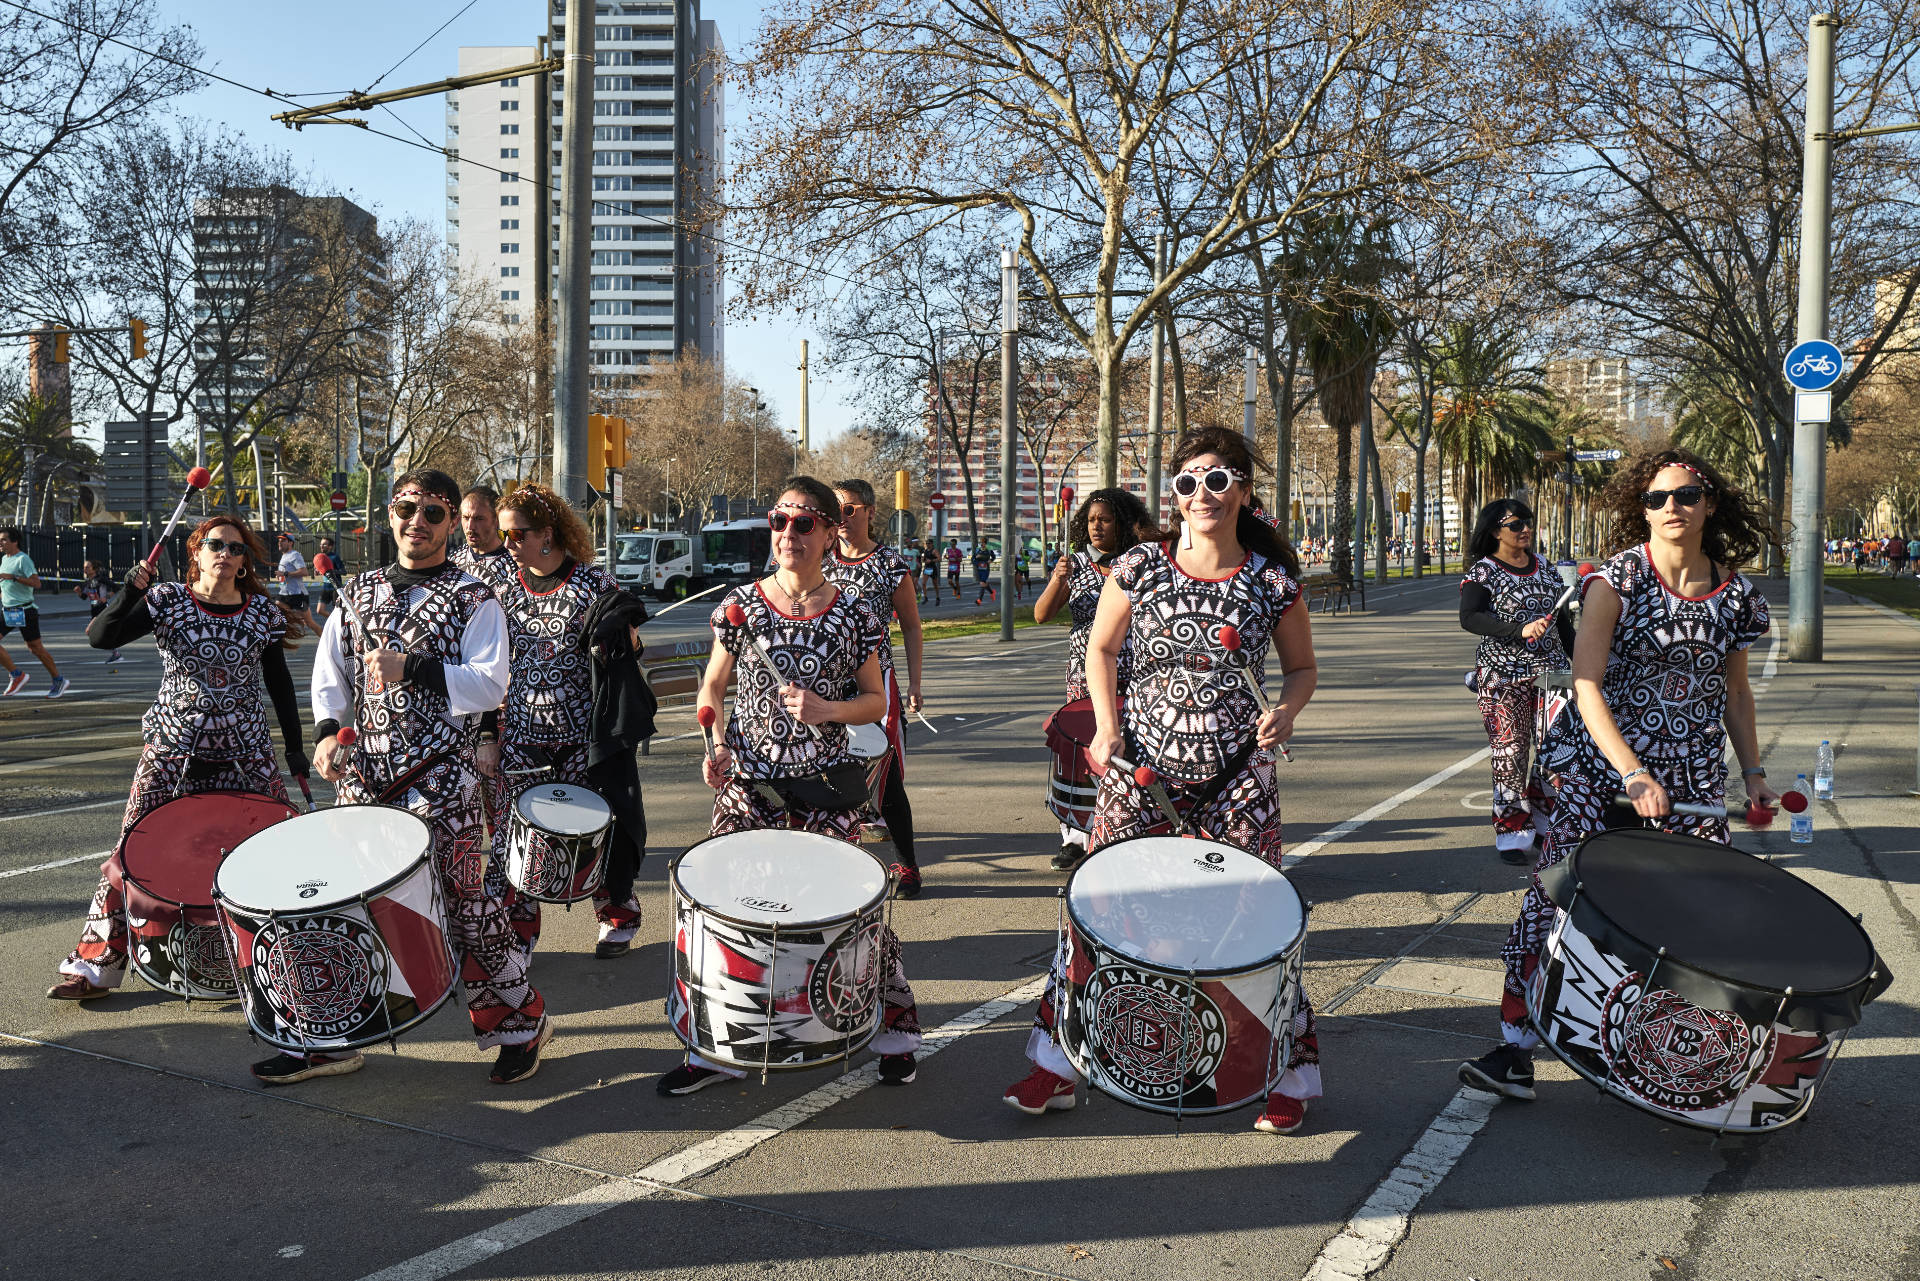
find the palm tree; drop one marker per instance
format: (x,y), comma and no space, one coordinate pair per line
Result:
(1492,414)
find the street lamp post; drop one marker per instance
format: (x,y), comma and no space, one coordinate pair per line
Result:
(667,493)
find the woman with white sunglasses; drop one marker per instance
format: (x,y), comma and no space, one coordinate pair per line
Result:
(1189,715)
(1660,676)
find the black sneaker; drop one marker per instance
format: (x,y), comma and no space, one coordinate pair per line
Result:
(1522,857)
(518,1062)
(687,1079)
(906,881)
(286,1069)
(1507,1069)
(1069,856)
(896,1069)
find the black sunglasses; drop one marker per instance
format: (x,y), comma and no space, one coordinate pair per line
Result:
(1516,524)
(220,546)
(1687,496)
(404,508)
(1218,480)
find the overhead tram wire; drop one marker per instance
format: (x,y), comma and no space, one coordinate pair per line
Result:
(417,48)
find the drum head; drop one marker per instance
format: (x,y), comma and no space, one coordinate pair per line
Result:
(173,850)
(1181,904)
(868,742)
(788,879)
(563,809)
(322,859)
(1072,726)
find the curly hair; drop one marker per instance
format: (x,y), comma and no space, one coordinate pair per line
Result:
(1254,531)
(247,579)
(1736,529)
(1135,521)
(544,509)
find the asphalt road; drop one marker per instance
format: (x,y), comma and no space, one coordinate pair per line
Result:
(135,1139)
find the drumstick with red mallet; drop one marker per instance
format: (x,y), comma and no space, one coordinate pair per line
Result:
(197,480)
(1230,641)
(1148,781)
(1758,815)
(737,617)
(1573,588)
(706,716)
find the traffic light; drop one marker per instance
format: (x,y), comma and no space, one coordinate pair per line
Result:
(616,443)
(138,329)
(60,353)
(606,445)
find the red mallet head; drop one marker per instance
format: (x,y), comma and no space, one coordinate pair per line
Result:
(1793,802)
(1759,814)
(1586,568)
(1144,776)
(199,478)
(347,735)
(1230,638)
(705,716)
(736,617)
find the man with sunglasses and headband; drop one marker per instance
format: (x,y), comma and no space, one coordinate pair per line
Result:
(1507,599)
(1660,679)
(420,650)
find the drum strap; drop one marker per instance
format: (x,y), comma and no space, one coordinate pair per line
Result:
(844,787)
(400,785)
(1211,789)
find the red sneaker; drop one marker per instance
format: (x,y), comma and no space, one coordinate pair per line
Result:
(1039,1091)
(1282,1115)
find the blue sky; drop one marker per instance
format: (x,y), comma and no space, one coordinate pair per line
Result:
(341,45)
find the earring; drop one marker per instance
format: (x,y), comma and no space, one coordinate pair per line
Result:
(546,548)
(1186,537)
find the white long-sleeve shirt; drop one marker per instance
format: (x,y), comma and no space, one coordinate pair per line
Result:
(474,685)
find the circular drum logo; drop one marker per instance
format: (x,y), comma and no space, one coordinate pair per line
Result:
(1149,1033)
(324,975)
(1673,1053)
(202,954)
(842,990)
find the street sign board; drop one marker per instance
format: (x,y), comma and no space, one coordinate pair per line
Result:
(1814,365)
(1598,455)
(339,480)
(338,500)
(936,502)
(619,488)
(138,467)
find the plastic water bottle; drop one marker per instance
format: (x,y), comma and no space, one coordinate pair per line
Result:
(1801,833)
(1823,772)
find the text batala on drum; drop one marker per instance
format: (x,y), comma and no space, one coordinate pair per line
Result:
(1687,978)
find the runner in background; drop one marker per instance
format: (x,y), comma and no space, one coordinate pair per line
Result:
(326,569)
(18,578)
(982,567)
(96,588)
(293,583)
(953,567)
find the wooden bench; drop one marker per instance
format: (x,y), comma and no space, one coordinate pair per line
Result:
(1329,593)
(674,672)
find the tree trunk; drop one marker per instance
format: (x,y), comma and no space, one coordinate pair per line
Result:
(1420,482)
(1382,528)
(1342,534)
(1107,363)
(1178,364)
(1360,498)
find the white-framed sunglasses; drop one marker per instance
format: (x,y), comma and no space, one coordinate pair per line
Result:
(1218,480)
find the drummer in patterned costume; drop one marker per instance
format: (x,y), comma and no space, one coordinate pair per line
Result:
(784,738)
(1110,521)
(484,554)
(419,648)
(220,638)
(1507,599)
(878,573)
(1188,717)
(544,730)
(1660,678)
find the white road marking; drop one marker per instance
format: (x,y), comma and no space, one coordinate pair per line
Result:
(689,1163)
(79,758)
(999,654)
(1381,1223)
(1385,807)
(60,862)
(64,809)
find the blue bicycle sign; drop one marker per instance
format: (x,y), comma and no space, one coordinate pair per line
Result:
(1814,365)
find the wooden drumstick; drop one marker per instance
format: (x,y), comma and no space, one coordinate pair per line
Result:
(706,717)
(1230,641)
(1146,779)
(197,480)
(737,617)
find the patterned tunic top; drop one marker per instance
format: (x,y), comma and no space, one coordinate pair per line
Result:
(405,724)
(550,691)
(495,568)
(822,652)
(874,576)
(209,702)
(1666,679)
(1187,713)
(1085,582)
(1520,598)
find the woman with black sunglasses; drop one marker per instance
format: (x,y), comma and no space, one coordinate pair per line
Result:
(221,639)
(785,736)
(1507,599)
(1660,676)
(1189,714)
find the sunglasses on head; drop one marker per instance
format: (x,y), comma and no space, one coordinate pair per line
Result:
(1516,524)
(404,509)
(1218,480)
(223,547)
(778,520)
(1686,496)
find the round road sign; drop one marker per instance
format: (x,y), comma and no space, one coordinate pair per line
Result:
(339,500)
(936,502)
(1814,365)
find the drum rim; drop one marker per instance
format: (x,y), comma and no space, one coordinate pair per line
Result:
(571,836)
(679,891)
(309,909)
(118,860)
(1297,941)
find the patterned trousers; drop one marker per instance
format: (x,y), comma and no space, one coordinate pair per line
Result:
(1580,810)
(1246,814)
(738,807)
(1512,711)
(101,955)
(494,956)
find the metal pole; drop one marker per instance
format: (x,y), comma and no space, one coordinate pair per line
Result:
(1249,370)
(1156,383)
(1009,377)
(1805,563)
(805,439)
(576,249)
(545,238)
(1566,548)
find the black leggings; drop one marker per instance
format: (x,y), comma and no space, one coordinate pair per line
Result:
(898,813)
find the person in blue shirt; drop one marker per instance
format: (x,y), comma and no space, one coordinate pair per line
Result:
(18,578)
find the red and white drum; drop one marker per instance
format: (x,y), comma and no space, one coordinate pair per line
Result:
(1072,783)
(1695,982)
(557,842)
(164,872)
(776,960)
(1182,962)
(337,928)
